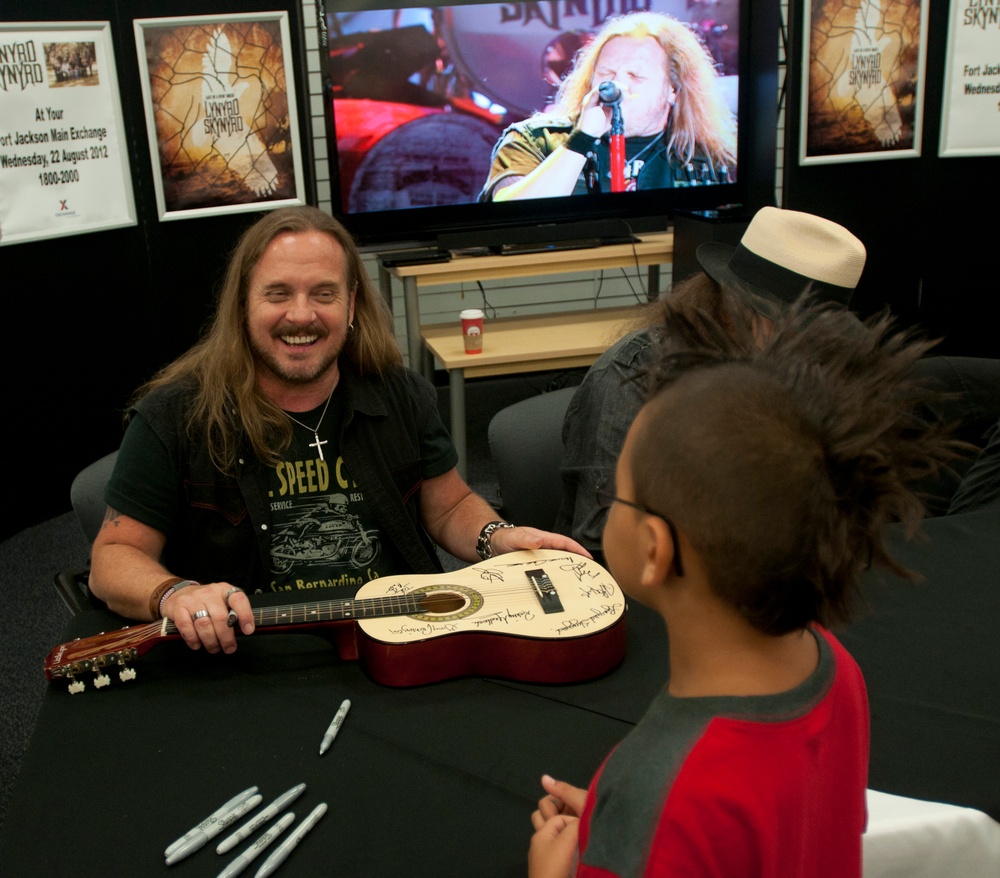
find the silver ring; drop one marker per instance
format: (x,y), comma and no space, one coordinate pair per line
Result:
(231,591)
(200,614)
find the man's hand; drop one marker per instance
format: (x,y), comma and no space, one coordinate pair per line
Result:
(595,117)
(513,539)
(202,615)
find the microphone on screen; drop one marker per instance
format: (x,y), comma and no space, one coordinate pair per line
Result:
(609,93)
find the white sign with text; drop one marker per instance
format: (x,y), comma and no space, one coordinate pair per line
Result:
(64,166)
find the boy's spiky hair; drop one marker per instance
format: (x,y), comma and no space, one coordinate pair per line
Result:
(782,459)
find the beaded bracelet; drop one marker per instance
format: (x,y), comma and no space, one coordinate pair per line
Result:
(163,591)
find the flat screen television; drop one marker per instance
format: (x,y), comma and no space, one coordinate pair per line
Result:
(418,96)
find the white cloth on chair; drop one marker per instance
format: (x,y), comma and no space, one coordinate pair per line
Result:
(913,838)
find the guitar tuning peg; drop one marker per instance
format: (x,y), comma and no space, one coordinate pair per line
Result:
(101,680)
(76,686)
(126,674)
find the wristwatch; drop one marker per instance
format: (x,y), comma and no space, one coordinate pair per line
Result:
(483,547)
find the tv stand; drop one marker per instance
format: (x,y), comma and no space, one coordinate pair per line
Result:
(526,345)
(647,250)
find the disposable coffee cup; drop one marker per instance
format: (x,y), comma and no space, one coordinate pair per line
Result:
(472,330)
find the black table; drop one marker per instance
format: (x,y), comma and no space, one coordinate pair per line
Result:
(432,780)
(440,780)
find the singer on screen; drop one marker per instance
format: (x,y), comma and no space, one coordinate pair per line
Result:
(641,108)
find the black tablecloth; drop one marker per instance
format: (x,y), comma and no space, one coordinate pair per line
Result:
(434,780)
(440,780)
(930,653)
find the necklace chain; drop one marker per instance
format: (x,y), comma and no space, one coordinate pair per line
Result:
(318,443)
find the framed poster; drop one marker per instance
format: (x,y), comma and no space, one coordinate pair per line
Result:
(219,96)
(64,166)
(970,104)
(863,80)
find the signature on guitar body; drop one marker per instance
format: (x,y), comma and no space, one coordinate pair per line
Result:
(541,616)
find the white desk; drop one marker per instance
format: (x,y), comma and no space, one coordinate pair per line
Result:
(911,838)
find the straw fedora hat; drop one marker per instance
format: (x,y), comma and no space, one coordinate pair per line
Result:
(782,254)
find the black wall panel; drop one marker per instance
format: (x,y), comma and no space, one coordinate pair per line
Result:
(89,317)
(929,223)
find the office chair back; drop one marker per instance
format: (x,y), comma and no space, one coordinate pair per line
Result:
(526,447)
(86,495)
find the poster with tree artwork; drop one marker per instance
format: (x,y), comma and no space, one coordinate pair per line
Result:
(219,96)
(863,80)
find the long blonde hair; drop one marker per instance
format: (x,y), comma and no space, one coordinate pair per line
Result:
(700,119)
(222,368)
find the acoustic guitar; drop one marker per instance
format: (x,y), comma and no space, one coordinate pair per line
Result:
(541,616)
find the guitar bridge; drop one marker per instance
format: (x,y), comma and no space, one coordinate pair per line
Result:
(545,591)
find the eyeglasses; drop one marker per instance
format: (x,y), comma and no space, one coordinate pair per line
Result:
(605,497)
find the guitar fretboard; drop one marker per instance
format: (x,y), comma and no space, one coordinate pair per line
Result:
(337,610)
(341,610)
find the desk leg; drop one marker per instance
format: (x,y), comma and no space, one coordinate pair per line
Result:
(653,283)
(385,283)
(412,308)
(427,364)
(456,387)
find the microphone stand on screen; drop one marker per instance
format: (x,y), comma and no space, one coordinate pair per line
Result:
(610,94)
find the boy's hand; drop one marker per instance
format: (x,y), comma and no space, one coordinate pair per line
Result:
(553,847)
(562,798)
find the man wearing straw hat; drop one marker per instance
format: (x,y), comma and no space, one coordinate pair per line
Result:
(782,255)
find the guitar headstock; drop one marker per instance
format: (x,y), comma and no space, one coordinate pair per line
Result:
(100,654)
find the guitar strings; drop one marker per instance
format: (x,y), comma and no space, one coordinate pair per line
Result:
(522,593)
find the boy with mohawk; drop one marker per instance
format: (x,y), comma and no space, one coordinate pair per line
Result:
(751,493)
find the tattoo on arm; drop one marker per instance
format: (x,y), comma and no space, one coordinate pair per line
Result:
(111,515)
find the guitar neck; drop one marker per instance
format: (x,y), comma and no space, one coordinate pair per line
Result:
(118,647)
(338,610)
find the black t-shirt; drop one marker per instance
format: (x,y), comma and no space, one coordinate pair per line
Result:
(323,533)
(318,541)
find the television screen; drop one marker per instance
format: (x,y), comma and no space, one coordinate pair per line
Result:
(481,119)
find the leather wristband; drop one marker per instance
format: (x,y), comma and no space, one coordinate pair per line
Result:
(580,143)
(163,591)
(483,547)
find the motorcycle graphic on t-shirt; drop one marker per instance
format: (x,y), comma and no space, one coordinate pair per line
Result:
(327,535)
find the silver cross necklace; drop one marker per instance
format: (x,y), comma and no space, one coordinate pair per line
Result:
(318,443)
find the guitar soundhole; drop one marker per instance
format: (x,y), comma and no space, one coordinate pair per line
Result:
(443,603)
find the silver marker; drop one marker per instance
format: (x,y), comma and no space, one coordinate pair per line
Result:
(335,725)
(199,837)
(217,814)
(242,860)
(290,843)
(250,827)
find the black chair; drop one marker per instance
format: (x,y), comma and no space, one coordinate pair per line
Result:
(526,447)
(87,499)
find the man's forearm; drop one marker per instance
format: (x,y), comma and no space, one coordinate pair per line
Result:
(125,578)
(555,176)
(458,531)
